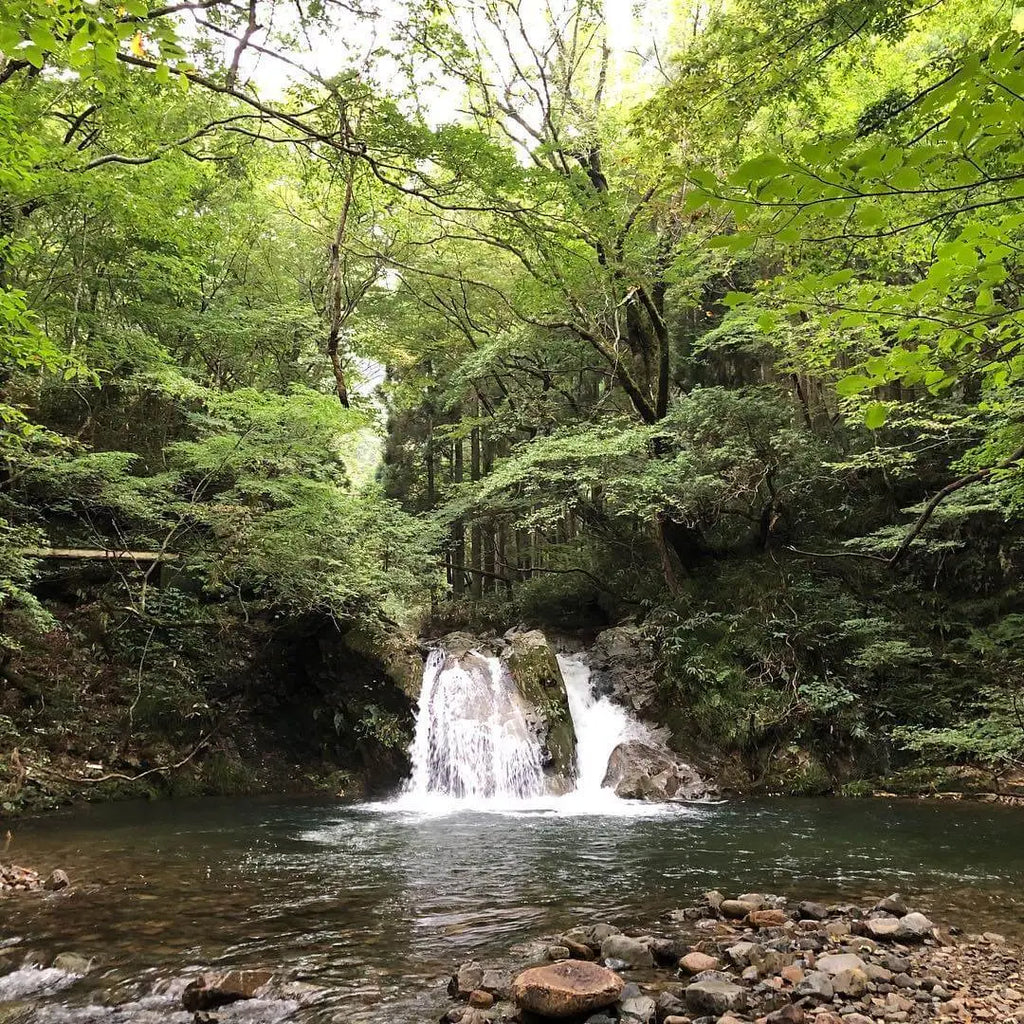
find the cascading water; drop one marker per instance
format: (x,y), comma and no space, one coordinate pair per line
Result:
(472,739)
(474,746)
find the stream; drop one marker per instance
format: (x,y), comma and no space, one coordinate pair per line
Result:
(377,905)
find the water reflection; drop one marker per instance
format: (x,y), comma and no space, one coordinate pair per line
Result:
(379,906)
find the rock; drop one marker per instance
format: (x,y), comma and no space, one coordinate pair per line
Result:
(558,952)
(666,952)
(669,1005)
(737,908)
(534,669)
(812,911)
(914,928)
(615,965)
(480,999)
(639,770)
(791,1014)
(893,905)
(882,928)
(837,929)
(577,950)
(638,1010)
(633,952)
(744,953)
(715,993)
(567,989)
(625,666)
(851,983)
(767,918)
(793,974)
(209,991)
(839,962)
(497,983)
(58,880)
(72,963)
(466,979)
(816,986)
(714,899)
(697,963)
(592,935)
(755,899)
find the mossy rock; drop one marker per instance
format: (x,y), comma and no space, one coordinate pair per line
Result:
(534,670)
(396,652)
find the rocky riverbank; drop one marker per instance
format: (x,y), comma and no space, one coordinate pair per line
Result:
(754,958)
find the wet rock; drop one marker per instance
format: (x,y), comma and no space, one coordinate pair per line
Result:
(498,983)
(715,993)
(466,979)
(72,963)
(639,1009)
(640,770)
(633,952)
(568,989)
(738,908)
(668,1005)
(666,952)
(558,952)
(480,999)
(534,670)
(697,962)
(209,991)
(592,935)
(577,950)
(58,880)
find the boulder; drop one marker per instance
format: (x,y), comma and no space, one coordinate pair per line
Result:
(632,952)
(811,911)
(737,908)
(72,963)
(894,905)
(644,770)
(466,979)
(882,928)
(497,983)
(209,991)
(625,667)
(816,987)
(767,918)
(480,999)
(566,989)
(534,669)
(57,881)
(914,928)
(697,962)
(851,983)
(592,935)
(839,962)
(637,1010)
(715,993)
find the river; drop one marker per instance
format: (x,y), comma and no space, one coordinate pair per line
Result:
(378,904)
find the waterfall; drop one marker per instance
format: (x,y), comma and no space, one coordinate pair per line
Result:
(474,747)
(472,738)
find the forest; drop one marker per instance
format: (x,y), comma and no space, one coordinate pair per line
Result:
(333,325)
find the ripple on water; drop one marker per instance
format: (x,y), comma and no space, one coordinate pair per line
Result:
(378,904)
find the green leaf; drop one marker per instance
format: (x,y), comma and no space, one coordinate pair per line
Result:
(854,385)
(875,415)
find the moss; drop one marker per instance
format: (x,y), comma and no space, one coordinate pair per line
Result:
(534,669)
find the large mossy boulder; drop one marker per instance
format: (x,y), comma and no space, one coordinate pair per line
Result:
(533,666)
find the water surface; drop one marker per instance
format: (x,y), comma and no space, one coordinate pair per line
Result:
(378,905)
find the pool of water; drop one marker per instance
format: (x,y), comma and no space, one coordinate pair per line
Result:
(379,905)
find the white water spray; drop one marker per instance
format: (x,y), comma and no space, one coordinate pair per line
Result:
(474,748)
(472,739)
